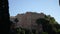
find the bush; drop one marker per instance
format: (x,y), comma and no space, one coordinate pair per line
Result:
(44,33)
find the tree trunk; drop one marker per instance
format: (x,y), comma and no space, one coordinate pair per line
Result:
(4,17)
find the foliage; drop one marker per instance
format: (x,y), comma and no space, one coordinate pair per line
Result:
(49,24)
(41,21)
(44,33)
(16,20)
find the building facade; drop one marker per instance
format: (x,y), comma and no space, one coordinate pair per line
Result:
(28,20)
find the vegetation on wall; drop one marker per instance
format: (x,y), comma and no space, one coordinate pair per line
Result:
(49,26)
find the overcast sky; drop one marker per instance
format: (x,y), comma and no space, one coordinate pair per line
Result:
(48,7)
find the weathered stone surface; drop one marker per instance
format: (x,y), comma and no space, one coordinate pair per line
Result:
(28,20)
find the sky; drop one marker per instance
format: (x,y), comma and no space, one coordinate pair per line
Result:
(48,7)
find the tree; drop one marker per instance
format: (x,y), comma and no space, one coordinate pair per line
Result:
(59,2)
(51,19)
(16,20)
(44,33)
(43,22)
(4,17)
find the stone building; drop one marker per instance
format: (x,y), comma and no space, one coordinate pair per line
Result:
(28,20)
